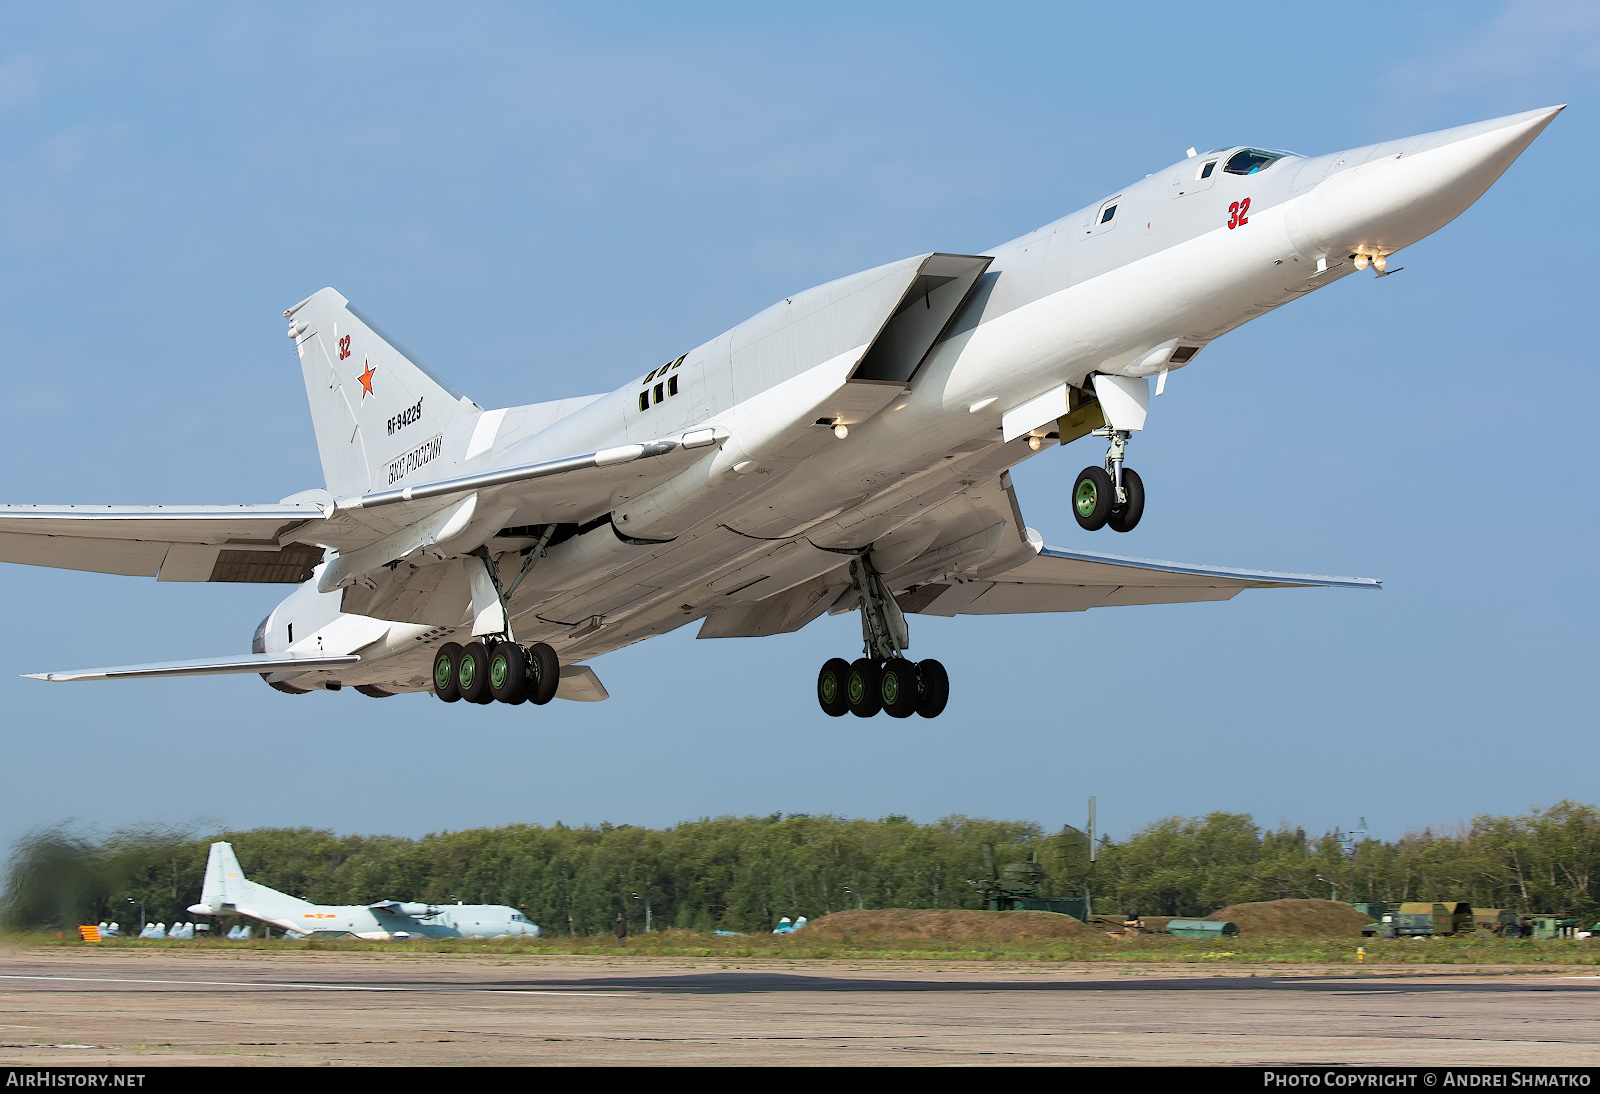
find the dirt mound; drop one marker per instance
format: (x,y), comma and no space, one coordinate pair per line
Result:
(909,925)
(1294,919)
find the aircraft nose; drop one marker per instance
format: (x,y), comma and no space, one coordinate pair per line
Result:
(1394,194)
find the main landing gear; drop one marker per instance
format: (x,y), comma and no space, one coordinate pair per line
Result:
(1110,495)
(497,669)
(502,672)
(883,679)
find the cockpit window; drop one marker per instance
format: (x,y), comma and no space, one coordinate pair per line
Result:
(1251,161)
(1205,172)
(1107,213)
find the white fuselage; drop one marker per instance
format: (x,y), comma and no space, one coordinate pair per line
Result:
(1184,259)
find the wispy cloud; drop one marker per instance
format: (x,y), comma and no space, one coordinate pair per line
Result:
(19,81)
(1532,48)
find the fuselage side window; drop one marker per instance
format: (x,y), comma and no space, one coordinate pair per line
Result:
(672,385)
(1251,161)
(644,400)
(1205,172)
(1108,212)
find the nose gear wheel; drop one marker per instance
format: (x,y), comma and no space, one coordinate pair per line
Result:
(1093,495)
(1126,516)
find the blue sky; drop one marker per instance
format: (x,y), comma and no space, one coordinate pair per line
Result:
(544,201)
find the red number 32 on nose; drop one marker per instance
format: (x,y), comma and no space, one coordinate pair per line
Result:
(1237,211)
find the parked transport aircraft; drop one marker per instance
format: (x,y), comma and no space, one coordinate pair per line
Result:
(226,891)
(846,449)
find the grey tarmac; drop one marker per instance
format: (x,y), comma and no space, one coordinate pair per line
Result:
(166,1007)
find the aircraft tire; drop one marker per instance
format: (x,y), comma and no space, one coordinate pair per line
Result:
(1092,496)
(544,673)
(1125,518)
(831,692)
(472,673)
(934,688)
(508,673)
(897,688)
(861,688)
(445,684)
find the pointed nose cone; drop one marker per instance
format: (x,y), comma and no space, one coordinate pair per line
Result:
(1392,195)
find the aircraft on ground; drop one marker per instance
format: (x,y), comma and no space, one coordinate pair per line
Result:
(846,449)
(226,891)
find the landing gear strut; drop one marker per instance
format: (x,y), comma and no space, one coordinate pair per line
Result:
(1110,495)
(883,679)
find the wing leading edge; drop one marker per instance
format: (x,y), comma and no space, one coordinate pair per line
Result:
(203,666)
(1061,580)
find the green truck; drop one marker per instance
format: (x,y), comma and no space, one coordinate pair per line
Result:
(1423,919)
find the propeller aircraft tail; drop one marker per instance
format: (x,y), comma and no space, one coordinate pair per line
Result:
(226,891)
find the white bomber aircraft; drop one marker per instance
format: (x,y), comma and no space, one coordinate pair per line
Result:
(847,448)
(226,891)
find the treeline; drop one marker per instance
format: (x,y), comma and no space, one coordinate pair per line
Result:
(744,873)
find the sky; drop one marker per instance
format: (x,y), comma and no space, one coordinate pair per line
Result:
(548,200)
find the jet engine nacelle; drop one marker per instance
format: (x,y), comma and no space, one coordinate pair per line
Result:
(406,908)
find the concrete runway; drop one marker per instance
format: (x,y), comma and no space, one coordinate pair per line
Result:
(127,1007)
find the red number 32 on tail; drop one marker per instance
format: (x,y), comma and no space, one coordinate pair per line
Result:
(1237,213)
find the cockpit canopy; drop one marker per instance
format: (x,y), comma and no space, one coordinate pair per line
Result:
(1251,161)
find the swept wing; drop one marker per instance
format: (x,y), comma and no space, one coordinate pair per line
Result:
(1062,580)
(202,666)
(168,542)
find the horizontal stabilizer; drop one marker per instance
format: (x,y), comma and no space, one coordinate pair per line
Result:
(203,666)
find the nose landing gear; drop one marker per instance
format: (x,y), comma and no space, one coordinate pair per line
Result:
(883,679)
(1110,495)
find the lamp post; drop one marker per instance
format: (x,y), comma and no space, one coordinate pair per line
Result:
(140,903)
(851,892)
(1331,885)
(646,904)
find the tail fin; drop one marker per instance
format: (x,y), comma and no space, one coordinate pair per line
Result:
(379,414)
(226,890)
(223,877)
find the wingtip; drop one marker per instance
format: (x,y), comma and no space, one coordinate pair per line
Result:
(36,676)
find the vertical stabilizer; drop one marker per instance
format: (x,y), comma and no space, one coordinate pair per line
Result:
(226,891)
(380,416)
(222,868)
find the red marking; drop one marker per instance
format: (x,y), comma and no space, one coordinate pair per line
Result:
(366,380)
(1238,213)
(344,347)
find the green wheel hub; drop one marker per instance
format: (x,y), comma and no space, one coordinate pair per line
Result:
(830,687)
(891,688)
(442,672)
(857,688)
(467,672)
(1085,498)
(499,670)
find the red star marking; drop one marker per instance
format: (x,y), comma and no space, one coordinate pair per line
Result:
(366,380)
